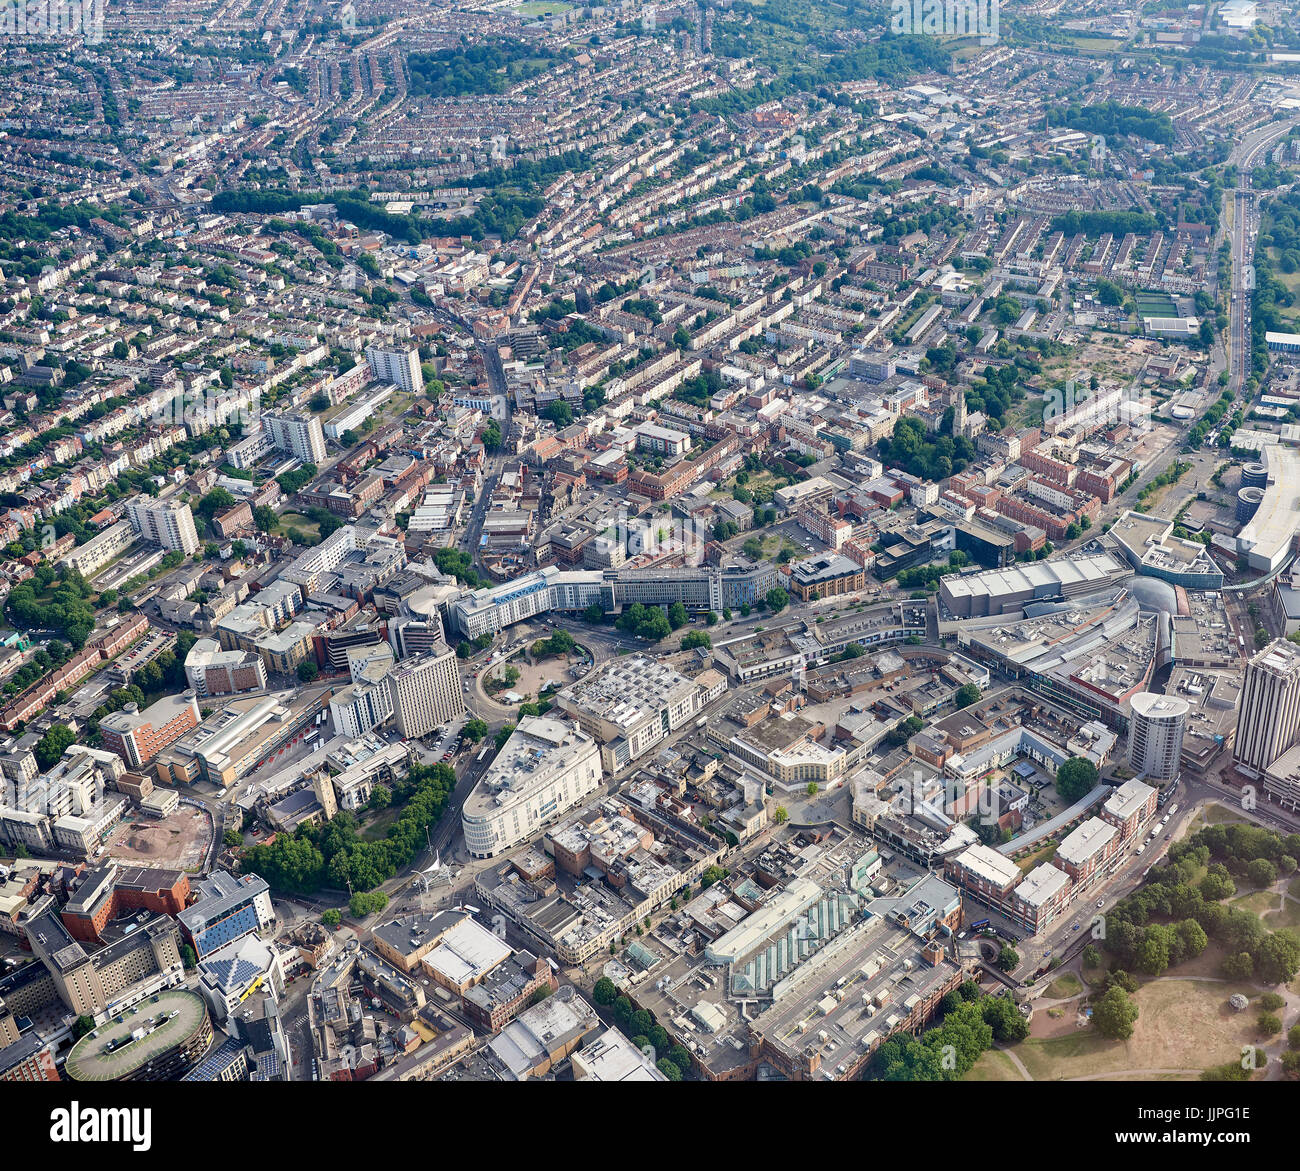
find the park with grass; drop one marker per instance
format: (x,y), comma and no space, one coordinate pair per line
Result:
(1193,976)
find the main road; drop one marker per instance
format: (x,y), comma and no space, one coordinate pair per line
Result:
(1246,155)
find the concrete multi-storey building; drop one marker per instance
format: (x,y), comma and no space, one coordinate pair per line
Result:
(29,1059)
(400,367)
(630,706)
(1155,737)
(227,908)
(1085,851)
(167,523)
(101,549)
(310,566)
(544,769)
(984,873)
(301,435)
(1043,894)
(826,576)
(357,709)
(1130,807)
(425,692)
(108,892)
(138,736)
(1268,719)
(114,977)
(212,671)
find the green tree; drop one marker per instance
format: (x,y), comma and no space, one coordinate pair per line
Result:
(1076,778)
(1008,959)
(331,918)
(668,1069)
(50,748)
(559,412)
(1113,1014)
(1217,885)
(677,617)
(1006,1021)
(777,599)
(967,694)
(1277,957)
(1268,1024)
(475,730)
(1153,952)
(308,671)
(1240,966)
(369,902)
(1261,872)
(605,992)
(680,1057)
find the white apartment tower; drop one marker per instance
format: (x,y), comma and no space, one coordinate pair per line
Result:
(426,692)
(166,523)
(1268,713)
(357,709)
(400,367)
(1155,735)
(300,435)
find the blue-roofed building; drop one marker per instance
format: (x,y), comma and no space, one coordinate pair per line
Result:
(228,1062)
(231,974)
(227,908)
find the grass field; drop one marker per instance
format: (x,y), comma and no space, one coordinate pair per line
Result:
(296,520)
(1256,903)
(1046,854)
(1155,305)
(1288,916)
(1182,1025)
(994,1066)
(376,828)
(1216,814)
(763,478)
(542,8)
(1292,282)
(1096,44)
(1064,986)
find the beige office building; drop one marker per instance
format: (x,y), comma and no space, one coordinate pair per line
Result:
(426,692)
(1268,715)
